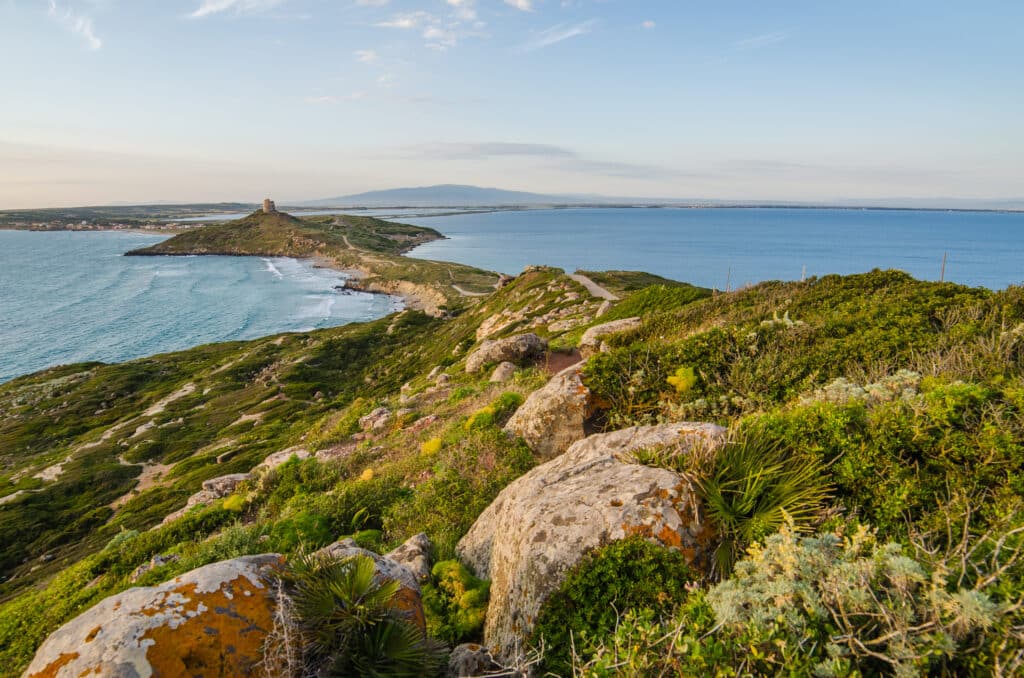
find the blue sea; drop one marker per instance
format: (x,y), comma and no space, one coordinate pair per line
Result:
(730,247)
(72,297)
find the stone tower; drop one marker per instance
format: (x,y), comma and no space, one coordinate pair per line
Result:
(269,207)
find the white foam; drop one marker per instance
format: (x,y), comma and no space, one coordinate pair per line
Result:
(273,269)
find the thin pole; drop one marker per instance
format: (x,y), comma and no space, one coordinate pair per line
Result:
(942,276)
(803,273)
(728,277)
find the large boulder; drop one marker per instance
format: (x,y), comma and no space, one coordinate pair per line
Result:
(517,349)
(554,416)
(591,341)
(208,622)
(408,600)
(596,493)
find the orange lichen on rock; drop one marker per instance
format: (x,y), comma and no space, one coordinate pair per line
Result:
(54,668)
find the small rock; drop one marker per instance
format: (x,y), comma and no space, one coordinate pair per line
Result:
(278,458)
(154,562)
(554,416)
(503,372)
(423,423)
(591,341)
(434,372)
(376,420)
(443,379)
(469,660)
(515,349)
(415,555)
(605,306)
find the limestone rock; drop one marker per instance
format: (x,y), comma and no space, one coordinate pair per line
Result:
(554,416)
(414,554)
(516,349)
(605,306)
(591,341)
(423,423)
(278,458)
(213,489)
(154,562)
(470,659)
(208,622)
(503,372)
(596,493)
(409,597)
(376,420)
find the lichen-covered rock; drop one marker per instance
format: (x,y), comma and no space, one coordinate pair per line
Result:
(503,372)
(470,659)
(415,555)
(555,415)
(409,597)
(376,420)
(596,493)
(516,349)
(591,341)
(213,489)
(279,458)
(208,622)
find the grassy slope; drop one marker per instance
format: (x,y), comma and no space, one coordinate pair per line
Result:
(756,354)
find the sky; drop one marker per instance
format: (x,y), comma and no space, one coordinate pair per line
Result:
(115,101)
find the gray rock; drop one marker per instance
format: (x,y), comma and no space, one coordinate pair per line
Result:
(213,489)
(517,349)
(605,306)
(415,555)
(592,338)
(503,372)
(554,416)
(154,562)
(470,660)
(376,420)
(596,493)
(166,630)
(278,458)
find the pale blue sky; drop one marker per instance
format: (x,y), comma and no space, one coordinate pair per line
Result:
(140,100)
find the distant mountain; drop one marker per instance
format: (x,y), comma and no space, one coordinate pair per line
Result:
(449,195)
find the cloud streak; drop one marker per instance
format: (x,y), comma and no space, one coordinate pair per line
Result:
(558,33)
(549,154)
(210,7)
(760,41)
(78,24)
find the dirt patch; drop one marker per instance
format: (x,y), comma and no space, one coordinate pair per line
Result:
(558,361)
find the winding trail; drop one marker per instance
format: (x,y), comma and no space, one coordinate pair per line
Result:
(592,287)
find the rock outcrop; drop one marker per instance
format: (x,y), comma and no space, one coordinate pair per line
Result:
(596,493)
(554,416)
(213,489)
(591,341)
(517,349)
(209,622)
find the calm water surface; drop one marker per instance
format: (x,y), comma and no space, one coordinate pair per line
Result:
(72,297)
(709,247)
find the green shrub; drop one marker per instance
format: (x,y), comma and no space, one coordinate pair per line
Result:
(347,623)
(632,574)
(752,485)
(455,603)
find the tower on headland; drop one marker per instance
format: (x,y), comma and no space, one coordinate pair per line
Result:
(269,207)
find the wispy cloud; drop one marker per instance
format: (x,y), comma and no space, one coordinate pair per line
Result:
(439,32)
(556,34)
(525,5)
(78,24)
(366,56)
(549,154)
(649,25)
(761,41)
(209,7)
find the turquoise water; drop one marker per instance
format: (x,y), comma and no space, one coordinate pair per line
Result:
(71,297)
(713,247)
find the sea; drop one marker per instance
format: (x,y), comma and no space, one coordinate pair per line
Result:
(726,248)
(68,297)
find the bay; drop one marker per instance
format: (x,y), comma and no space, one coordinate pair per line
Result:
(72,297)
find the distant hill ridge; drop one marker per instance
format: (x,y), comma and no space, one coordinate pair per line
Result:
(448,195)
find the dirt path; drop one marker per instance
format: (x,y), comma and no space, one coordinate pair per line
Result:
(592,287)
(467,293)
